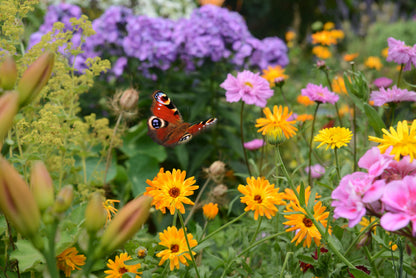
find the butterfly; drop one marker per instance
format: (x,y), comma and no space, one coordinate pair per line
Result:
(166,126)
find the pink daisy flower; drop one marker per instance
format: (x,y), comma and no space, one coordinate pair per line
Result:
(383,96)
(400,53)
(382,82)
(254,144)
(247,86)
(317,171)
(319,94)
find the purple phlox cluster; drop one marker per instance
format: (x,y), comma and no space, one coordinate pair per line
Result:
(319,93)
(400,53)
(383,96)
(270,52)
(382,82)
(360,192)
(317,171)
(254,144)
(247,86)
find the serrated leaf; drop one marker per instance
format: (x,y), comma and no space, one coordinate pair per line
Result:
(27,255)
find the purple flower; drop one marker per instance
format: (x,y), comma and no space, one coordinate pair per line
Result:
(119,66)
(382,82)
(271,52)
(319,94)
(247,86)
(254,144)
(400,201)
(317,171)
(400,53)
(383,96)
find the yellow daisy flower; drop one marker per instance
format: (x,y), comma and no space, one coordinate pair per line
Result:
(324,38)
(177,249)
(69,260)
(170,190)
(261,197)
(385,52)
(402,141)
(210,210)
(109,207)
(337,34)
(118,267)
(271,73)
(350,57)
(290,36)
(304,226)
(333,137)
(365,222)
(304,100)
(276,121)
(321,52)
(373,62)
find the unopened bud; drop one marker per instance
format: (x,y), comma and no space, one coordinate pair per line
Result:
(275,136)
(42,186)
(125,224)
(141,252)
(129,100)
(17,202)
(320,64)
(63,199)
(8,109)
(95,213)
(216,171)
(35,78)
(8,74)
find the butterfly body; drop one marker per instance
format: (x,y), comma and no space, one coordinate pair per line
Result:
(166,126)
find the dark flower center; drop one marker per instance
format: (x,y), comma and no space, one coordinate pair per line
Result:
(122,270)
(308,223)
(174,192)
(258,199)
(174,248)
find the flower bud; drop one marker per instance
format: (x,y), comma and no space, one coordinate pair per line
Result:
(210,210)
(42,186)
(64,199)
(217,171)
(8,109)
(125,224)
(275,136)
(8,74)
(35,78)
(129,100)
(17,202)
(95,213)
(141,252)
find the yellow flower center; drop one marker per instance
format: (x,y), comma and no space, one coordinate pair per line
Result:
(174,248)
(258,199)
(248,84)
(174,192)
(308,223)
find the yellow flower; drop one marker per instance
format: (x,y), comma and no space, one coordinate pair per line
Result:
(305,100)
(69,260)
(290,36)
(350,57)
(271,73)
(333,137)
(329,26)
(278,120)
(385,52)
(337,34)
(304,117)
(393,245)
(402,141)
(324,38)
(338,85)
(304,226)
(321,52)
(365,222)
(261,197)
(170,190)
(177,249)
(210,210)
(118,267)
(109,207)
(373,62)
(290,196)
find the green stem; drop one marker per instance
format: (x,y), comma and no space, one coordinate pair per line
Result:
(337,163)
(338,115)
(90,255)
(283,95)
(49,253)
(242,137)
(285,172)
(187,243)
(110,147)
(330,87)
(285,263)
(399,78)
(253,239)
(354,128)
(310,143)
(197,200)
(373,266)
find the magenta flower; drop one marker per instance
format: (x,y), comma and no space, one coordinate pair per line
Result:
(400,53)
(247,86)
(382,82)
(319,94)
(383,96)
(375,162)
(400,200)
(254,144)
(317,171)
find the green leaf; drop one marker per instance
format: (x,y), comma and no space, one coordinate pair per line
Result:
(374,119)
(140,168)
(27,255)
(306,259)
(183,156)
(358,273)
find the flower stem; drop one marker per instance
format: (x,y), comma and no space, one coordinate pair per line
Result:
(337,163)
(285,263)
(253,239)
(110,148)
(196,201)
(310,143)
(283,95)
(373,266)
(49,253)
(400,75)
(330,87)
(354,128)
(242,137)
(187,243)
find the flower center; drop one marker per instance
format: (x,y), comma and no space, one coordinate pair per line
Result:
(174,248)
(258,199)
(308,223)
(122,270)
(248,84)
(174,192)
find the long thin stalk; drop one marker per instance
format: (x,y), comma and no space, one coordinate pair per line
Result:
(110,147)
(285,263)
(310,143)
(197,200)
(242,137)
(354,128)
(49,253)
(253,239)
(337,163)
(187,243)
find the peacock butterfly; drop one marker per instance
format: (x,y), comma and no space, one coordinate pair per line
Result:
(166,126)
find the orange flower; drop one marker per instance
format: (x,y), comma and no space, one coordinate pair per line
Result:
(118,267)
(329,26)
(211,2)
(290,36)
(271,73)
(324,38)
(338,85)
(385,52)
(109,207)
(304,117)
(69,260)
(276,122)
(210,210)
(305,100)
(373,62)
(350,57)
(321,52)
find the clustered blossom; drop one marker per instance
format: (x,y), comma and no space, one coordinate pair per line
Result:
(383,96)
(387,189)
(400,53)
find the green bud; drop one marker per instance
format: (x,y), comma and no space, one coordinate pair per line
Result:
(8,74)
(64,199)
(35,78)
(42,185)
(95,213)
(275,136)
(17,202)
(8,109)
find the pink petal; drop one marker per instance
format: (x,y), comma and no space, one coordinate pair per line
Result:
(394,221)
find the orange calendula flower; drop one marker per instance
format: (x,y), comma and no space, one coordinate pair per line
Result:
(290,196)
(69,260)
(271,73)
(177,249)
(324,38)
(329,25)
(276,120)
(321,52)
(350,57)
(109,207)
(373,62)
(385,52)
(338,85)
(304,117)
(304,227)
(290,36)
(261,197)
(402,141)
(337,34)
(305,100)
(210,210)
(171,190)
(118,267)
(333,137)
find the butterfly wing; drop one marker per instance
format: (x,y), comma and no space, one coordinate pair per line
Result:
(197,128)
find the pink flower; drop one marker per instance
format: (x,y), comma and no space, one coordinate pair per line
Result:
(254,144)
(319,94)
(375,162)
(394,94)
(317,171)
(382,82)
(247,86)
(400,53)
(400,200)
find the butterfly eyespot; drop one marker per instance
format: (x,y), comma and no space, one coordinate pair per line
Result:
(156,122)
(185,138)
(162,98)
